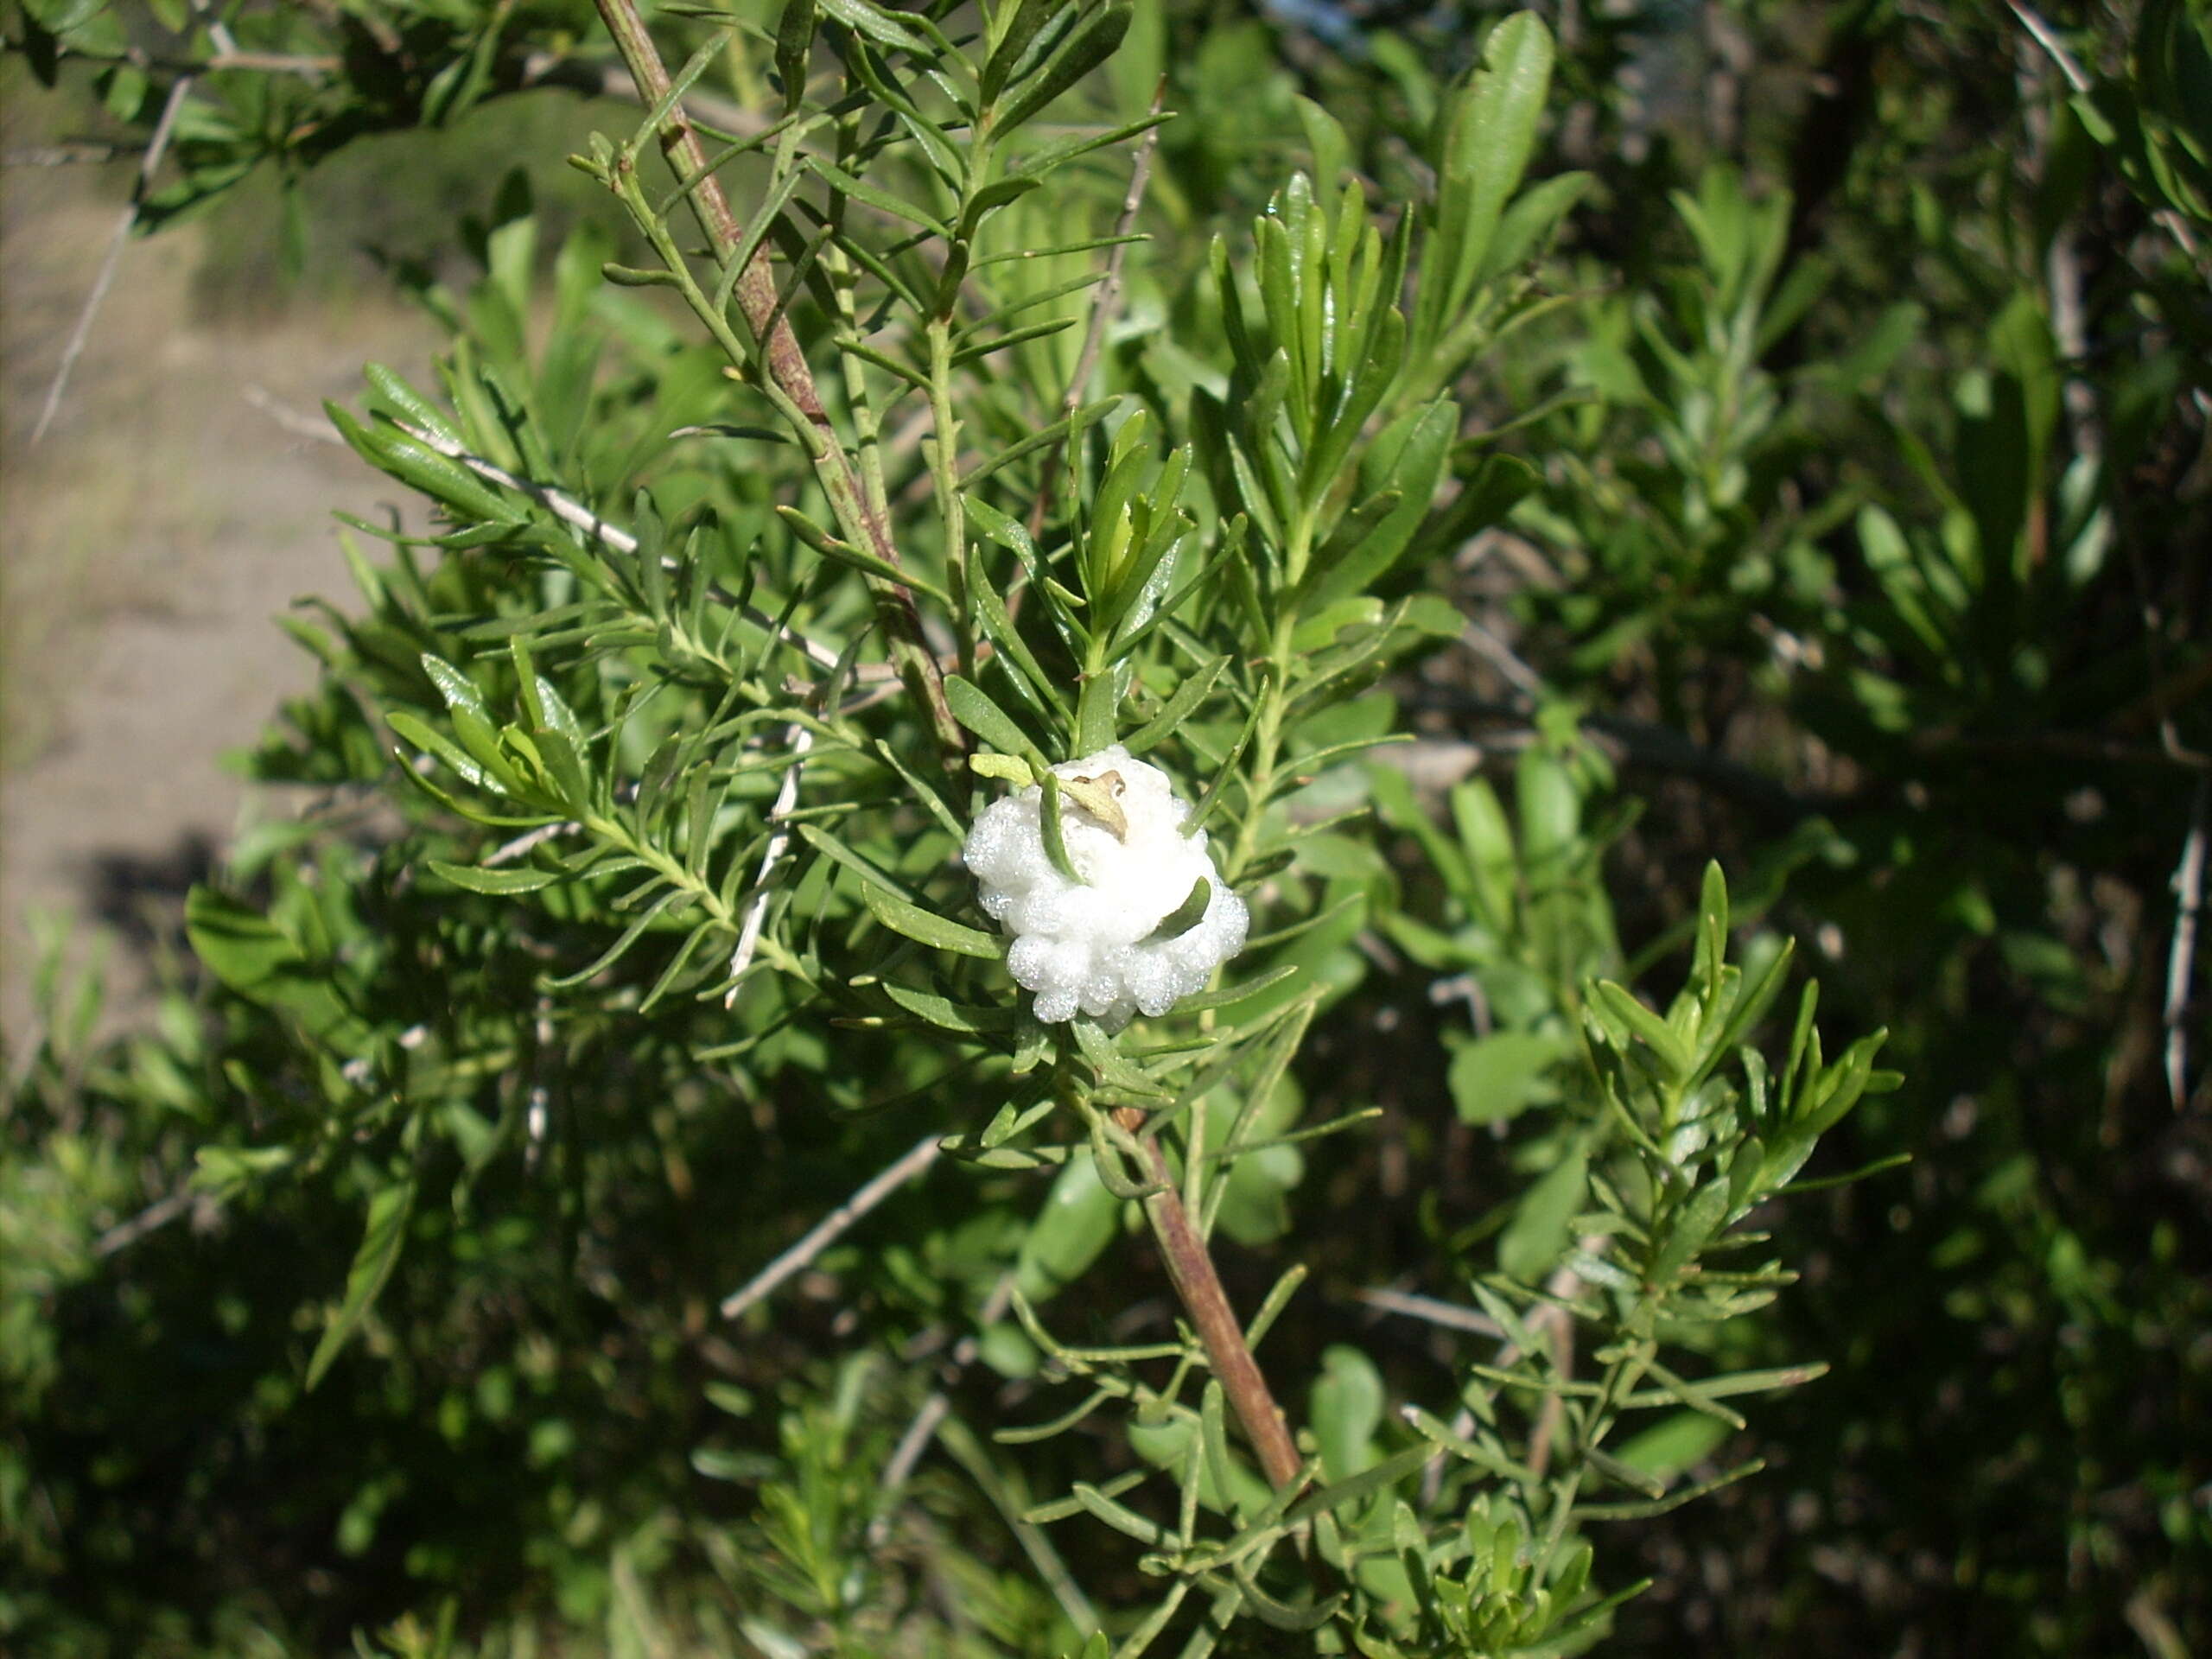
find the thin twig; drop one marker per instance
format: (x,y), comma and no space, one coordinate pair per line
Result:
(1109,290)
(2160,1637)
(756,284)
(1467,988)
(923,1430)
(338,14)
(1432,1478)
(2166,219)
(801,739)
(1101,310)
(307,65)
(2062,266)
(1552,1322)
(1553,1413)
(218,31)
(156,1214)
(77,154)
(1658,749)
(2047,38)
(554,68)
(299,424)
(967,1452)
(2181,957)
(908,1452)
(833,1226)
(156,147)
(1555,1321)
(539,68)
(2069,330)
(573,513)
(1451,1315)
(539,1110)
(526,843)
(1502,658)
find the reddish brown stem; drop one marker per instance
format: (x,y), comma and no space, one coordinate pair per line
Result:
(679,142)
(1190,1268)
(786,364)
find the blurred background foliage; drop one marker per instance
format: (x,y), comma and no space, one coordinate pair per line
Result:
(1859,440)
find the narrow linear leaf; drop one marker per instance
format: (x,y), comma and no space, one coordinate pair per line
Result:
(948,1016)
(1044,161)
(1714,1387)
(1186,915)
(1049,820)
(1632,1019)
(381,1242)
(884,29)
(926,927)
(430,742)
(1177,707)
(973,708)
(836,850)
(882,201)
(1093,42)
(1229,994)
(629,937)
(860,559)
(497,883)
(1043,1514)
(1640,1511)
(968,354)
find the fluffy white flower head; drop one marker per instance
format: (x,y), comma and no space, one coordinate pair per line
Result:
(1090,945)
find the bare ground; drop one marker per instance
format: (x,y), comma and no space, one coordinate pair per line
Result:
(148,540)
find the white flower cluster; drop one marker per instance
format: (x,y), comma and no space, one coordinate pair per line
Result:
(1089,944)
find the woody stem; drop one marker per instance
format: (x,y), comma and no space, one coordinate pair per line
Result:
(787,380)
(1191,1270)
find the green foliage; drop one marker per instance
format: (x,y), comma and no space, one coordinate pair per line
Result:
(899,450)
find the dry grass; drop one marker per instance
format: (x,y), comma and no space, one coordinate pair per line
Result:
(149,539)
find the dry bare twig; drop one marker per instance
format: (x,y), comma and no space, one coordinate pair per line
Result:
(2047,38)
(2181,957)
(76,155)
(156,147)
(834,1226)
(526,843)
(299,424)
(1450,1315)
(570,512)
(801,739)
(935,1409)
(155,1215)
(577,516)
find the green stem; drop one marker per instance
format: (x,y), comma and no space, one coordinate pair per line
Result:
(1267,733)
(867,431)
(681,876)
(945,471)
